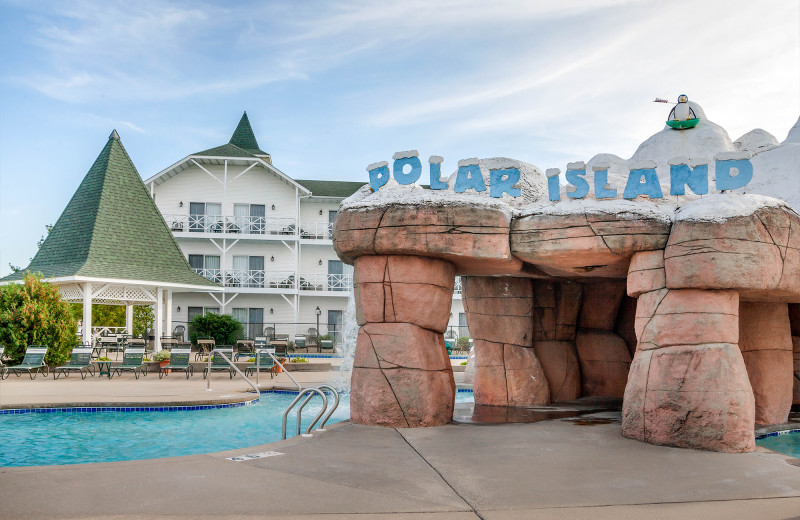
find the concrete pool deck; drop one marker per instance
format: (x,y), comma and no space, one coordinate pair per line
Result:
(554,469)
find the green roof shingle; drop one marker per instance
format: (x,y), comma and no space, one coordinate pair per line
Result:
(111,228)
(244,138)
(330,188)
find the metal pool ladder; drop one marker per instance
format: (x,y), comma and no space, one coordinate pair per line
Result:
(310,393)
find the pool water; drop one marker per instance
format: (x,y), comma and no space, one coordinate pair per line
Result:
(787,443)
(36,439)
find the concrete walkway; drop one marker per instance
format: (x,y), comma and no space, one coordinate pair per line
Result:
(556,469)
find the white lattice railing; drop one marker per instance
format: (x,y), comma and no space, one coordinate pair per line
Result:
(250,278)
(457,287)
(230,224)
(326,282)
(316,230)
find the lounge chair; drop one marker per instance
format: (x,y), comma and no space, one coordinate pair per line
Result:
(80,360)
(300,343)
(218,363)
(132,361)
(178,360)
(32,363)
(265,362)
(326,345)
(168,342)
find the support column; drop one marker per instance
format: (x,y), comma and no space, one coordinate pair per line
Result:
(168,319)
(500,319)
(129,318)
(688,385)
(87,313)
(402,375)
(158,322)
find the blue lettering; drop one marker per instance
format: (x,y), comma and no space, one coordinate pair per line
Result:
(733,174)
(575,177)
(436,181)
(553,187)
(600,181)
(407,178)
(469,177)
(682,175)
(378,177)
(649,187)
(503,181)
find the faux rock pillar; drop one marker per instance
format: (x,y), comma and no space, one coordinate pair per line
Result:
(499,317)
(688,386)
(766,344)
(402,375)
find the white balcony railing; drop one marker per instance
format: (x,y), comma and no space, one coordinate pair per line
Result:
(457,286)
(326,282)
(250,278)
(316,230)
(229,224)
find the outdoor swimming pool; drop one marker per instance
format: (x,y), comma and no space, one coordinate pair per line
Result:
(787,442)
(70,437)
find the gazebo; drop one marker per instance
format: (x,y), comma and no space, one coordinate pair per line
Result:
(111,245)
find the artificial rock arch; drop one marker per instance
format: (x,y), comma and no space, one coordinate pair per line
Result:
(683,313)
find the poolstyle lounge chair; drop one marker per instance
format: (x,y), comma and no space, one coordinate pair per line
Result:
(265,362)
(218,363)
(244,347)
(178,360)
(132,361)
(80,361)
(32,363)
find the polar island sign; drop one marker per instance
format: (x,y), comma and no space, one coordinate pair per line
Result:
(733,170)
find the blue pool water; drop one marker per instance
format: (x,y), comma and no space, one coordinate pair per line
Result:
(787,443)
(36,439)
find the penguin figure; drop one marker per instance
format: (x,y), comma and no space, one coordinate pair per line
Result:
(682,111)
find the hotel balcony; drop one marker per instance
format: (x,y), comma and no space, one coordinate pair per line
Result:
(286,281)
(275,228)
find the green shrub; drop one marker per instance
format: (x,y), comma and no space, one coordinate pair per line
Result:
(222,328)
(463,343)
(33,313)
(161,355)
(463,363)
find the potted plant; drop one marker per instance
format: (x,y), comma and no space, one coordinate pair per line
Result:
(162,356)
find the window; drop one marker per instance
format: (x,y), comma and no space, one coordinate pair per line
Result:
(248,271)
(331,219)
(206,265)
(252,320)
(205,217)
(335,324)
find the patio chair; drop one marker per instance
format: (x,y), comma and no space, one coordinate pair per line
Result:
(32,363)
(218,363)
(265,362)
(80,360)
(2,355)
(300,343)
(132,361)
(178,361)
(204,346)
(244,347)
(178,332)
(326,345)
(269,332)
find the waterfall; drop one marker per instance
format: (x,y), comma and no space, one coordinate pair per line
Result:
(347,347)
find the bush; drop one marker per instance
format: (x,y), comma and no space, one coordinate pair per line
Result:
(463,343)
(222,328)
(33,313)
(161,355)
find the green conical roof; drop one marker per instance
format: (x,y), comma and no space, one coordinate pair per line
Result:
(111,228)
(244,138)
(242,144)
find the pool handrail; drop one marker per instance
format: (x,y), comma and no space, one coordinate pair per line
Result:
(311,392)
(283,368)
(231,363)
(333,408)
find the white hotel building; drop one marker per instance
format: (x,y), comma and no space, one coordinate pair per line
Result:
(263,236)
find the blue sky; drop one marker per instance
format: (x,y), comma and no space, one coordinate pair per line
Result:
(330,87)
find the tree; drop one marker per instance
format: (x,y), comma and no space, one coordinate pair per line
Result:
(223,328)
(143,318)
(33,313)
(114,316)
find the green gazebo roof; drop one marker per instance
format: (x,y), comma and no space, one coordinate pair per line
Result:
(112,229)
(243,143)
